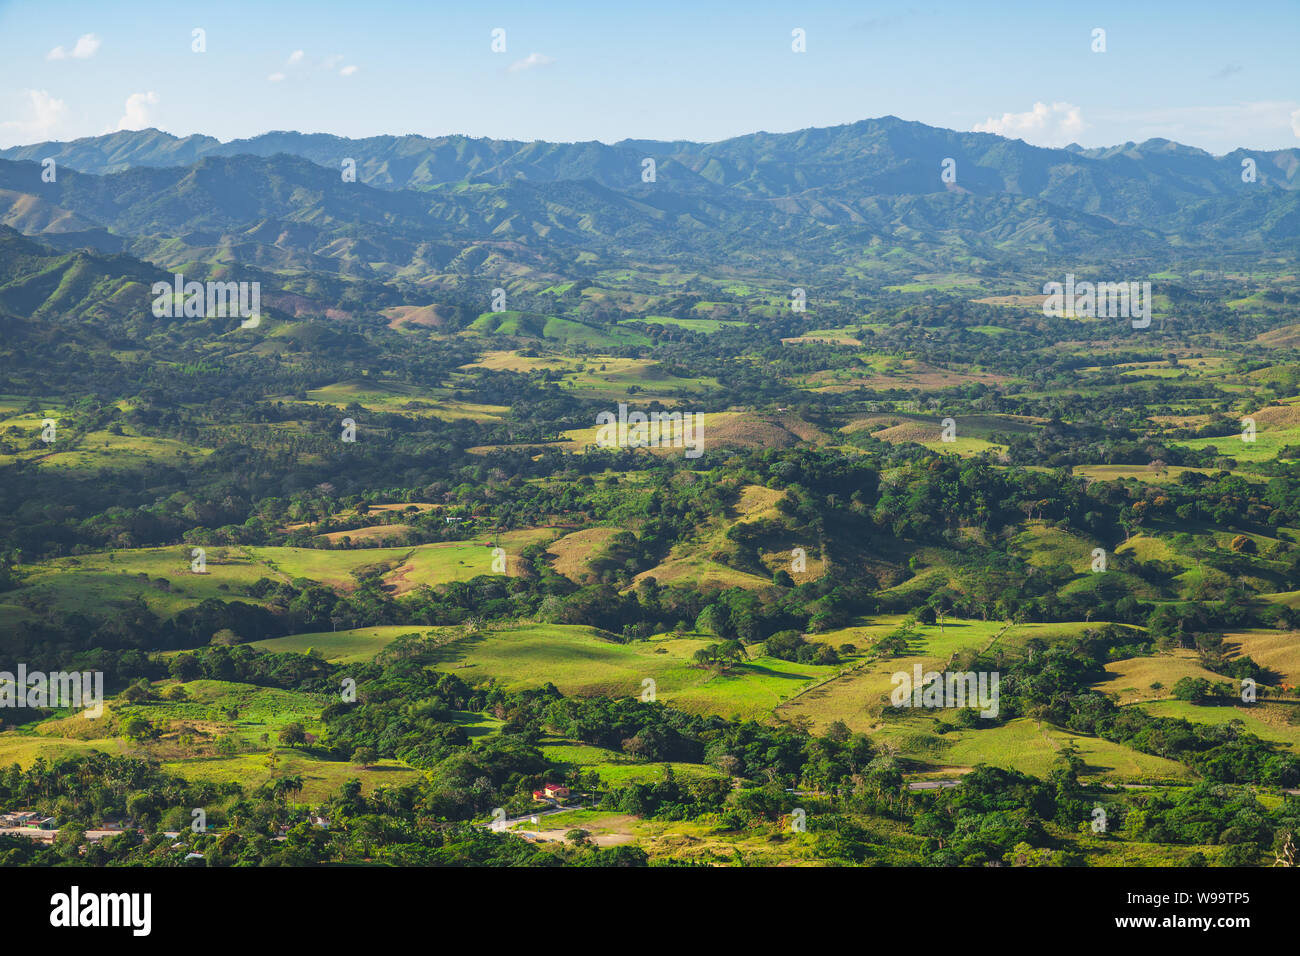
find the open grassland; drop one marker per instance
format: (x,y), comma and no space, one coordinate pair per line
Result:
(1152,678)
(164,579)
(434,564)
(551,328)
(579,660)
(706,842)
(382,535)
(695,325)
(97,452)
(969,434)
(706,431)
(694,562)
(1276,426)
(392,397)
(1267,720)
(1043,547)
(343,647)
(405,568)
(687,565)
(1020,744)
(572,554)
(247,713)
(827,336)
(859,697)
(221,731)
(321,778)
(617,769)
(601,376)
(767,844)
(1278,651)
(1147,547)
(25,749)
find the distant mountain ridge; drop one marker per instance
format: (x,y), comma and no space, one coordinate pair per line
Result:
(793,203)
(887,150)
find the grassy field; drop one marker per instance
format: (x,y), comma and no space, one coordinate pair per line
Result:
(321,778)
(600,376)
(692,562)
(1278,651)
(695,325)
(1022,744)
(1043,547)
(573,553)
(1275,427)
(163,579)
(93,452)
(971,433)
(552,328)
(705,842)
(617,769)
(579,660)
(342,647)
(24,749)
(380,395)
(1269,721)
(1136,678)
(102,451)
(860,696)
(186,735)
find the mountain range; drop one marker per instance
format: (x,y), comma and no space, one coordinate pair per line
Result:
(845,201)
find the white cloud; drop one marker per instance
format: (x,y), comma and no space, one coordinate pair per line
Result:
(1055,125)
(1295,122)
(138,115)
(86,46)
(295,57)
(348,70)
(530,61)
(276,77)
(47,113)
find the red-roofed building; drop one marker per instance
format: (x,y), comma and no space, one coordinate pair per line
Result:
(551,791)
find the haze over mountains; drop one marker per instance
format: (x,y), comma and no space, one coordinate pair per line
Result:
(844,201)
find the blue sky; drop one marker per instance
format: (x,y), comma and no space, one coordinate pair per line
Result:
(1213,75)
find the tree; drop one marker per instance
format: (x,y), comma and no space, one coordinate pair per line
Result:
(137,728)
(713,620)
(185,668)
(293,734)
(1195,689)
(732,652)
(364,757)
(139,692)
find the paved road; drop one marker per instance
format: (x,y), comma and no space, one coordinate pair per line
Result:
(528,817)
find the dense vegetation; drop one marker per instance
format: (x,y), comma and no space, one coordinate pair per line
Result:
(378,650)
